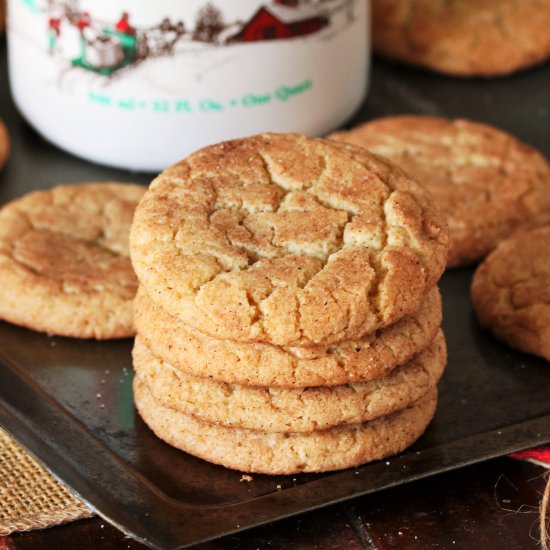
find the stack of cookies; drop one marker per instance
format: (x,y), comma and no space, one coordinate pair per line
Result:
(288,317)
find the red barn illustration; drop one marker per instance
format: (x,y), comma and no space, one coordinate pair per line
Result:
(282,19)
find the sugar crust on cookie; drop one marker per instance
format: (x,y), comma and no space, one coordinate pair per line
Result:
(278,453)
(64,261)
(287,239)
(486,182)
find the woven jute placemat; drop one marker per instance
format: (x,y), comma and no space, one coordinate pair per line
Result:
(30,497)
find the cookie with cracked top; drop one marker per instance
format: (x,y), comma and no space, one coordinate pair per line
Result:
(286,453)
(464,38)
(511,292)
(287,239)
(291,410)
(64,262)
(487,182)
(264,364)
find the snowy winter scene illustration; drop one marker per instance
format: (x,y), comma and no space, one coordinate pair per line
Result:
(113,71)
(91,42)
(187,57)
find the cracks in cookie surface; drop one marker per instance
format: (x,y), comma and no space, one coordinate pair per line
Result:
(510,292)
(305,221)
(269,365)
(72,250)
(484,180)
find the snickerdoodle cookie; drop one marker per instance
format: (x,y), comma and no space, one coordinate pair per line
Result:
(263,364)
(291,410)
(287,239)
(64,264)
(465,37)
(286,453)
(511,291)
(4,144)
(485,181)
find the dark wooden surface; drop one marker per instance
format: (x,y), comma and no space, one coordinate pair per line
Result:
(493,505)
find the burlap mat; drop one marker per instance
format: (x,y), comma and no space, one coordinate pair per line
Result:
(31,498)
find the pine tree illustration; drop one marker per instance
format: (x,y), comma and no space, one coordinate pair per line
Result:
(209,24)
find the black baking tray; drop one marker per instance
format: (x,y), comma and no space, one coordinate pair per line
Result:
(69,402)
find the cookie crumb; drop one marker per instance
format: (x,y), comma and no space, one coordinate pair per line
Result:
(246,478)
